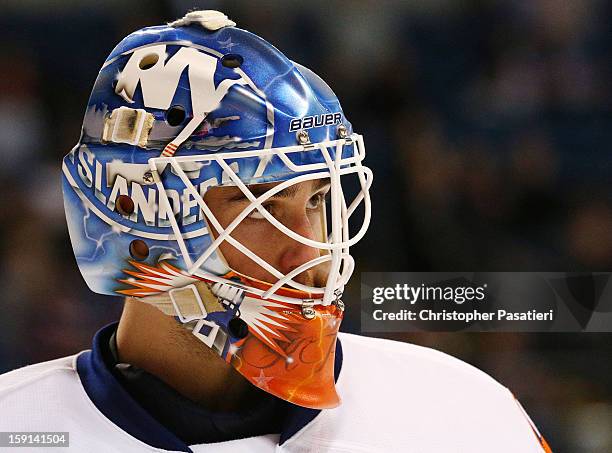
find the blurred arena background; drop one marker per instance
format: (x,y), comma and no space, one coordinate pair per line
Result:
(488,125)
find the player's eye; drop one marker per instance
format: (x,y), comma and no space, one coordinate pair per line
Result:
(256,215)
(316,201)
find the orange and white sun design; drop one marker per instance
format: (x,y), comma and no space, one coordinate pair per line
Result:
(150,280)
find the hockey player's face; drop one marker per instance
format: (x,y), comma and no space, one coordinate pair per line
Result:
(300,207)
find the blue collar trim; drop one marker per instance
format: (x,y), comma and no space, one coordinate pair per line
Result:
(115,402)
(109,396)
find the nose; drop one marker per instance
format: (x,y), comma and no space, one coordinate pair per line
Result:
(294,253)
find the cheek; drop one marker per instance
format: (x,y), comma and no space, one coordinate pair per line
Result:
(261,238)
(317,225)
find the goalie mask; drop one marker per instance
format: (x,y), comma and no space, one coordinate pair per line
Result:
(203,147)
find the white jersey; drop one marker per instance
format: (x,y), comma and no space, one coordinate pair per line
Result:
(396,397)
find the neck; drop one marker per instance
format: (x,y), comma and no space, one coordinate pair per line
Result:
(158,344)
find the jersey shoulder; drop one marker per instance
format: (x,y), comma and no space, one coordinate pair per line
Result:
(401,357)
(33,395)
(28,376)
(418,393)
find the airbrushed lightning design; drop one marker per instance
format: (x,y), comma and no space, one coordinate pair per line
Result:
(98,242)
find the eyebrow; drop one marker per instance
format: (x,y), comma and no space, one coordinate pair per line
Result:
(259,189)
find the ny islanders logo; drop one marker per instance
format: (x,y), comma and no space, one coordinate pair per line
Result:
(158,81)
(145,91)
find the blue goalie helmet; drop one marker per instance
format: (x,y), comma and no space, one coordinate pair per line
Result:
(179,109)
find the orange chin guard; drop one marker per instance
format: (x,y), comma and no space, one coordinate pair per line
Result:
(295,361)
